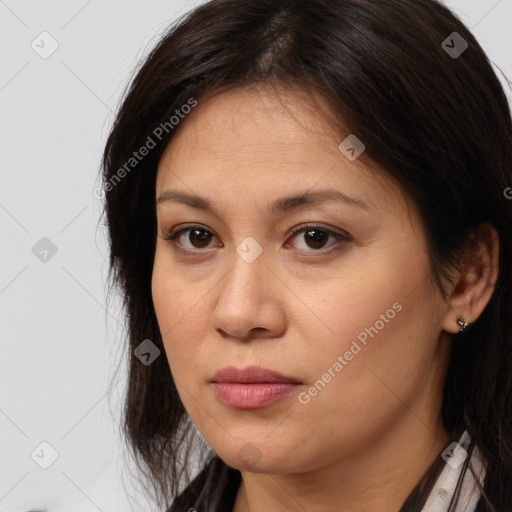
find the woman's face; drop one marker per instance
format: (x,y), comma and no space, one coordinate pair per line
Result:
(344,307)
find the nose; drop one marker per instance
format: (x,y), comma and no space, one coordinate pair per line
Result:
(250,301)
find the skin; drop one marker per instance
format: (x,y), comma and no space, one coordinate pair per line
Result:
(364,441)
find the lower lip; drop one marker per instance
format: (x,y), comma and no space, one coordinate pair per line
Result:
(252,396)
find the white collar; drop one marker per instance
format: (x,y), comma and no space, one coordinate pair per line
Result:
(444,488)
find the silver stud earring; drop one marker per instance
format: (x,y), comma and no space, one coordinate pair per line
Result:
(462,323)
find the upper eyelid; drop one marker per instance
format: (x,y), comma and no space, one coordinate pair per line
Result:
(300,227)
(316,225)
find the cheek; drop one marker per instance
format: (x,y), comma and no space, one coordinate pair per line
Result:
(174,310)
(377,333)
(344,307)
(375,382)
(182,313)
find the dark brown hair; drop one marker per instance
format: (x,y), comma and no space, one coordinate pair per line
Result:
(439,124)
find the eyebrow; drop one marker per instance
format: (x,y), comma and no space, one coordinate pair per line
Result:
(280,206)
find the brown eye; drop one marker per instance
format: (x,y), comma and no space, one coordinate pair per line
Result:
(316,237)
(201,236)
(197,238)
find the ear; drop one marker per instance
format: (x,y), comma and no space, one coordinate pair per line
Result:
(477,280)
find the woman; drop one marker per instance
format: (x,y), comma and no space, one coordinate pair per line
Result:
(308,218)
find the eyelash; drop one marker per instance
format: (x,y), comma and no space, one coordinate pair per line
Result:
(170,237)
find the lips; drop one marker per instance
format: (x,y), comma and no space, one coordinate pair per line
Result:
(251,375)
(252,387)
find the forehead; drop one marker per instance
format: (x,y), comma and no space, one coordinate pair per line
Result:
(252,119)
(257,140)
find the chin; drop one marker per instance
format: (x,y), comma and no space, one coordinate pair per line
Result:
(246,456)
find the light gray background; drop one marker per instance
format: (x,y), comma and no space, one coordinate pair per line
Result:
(60,343)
